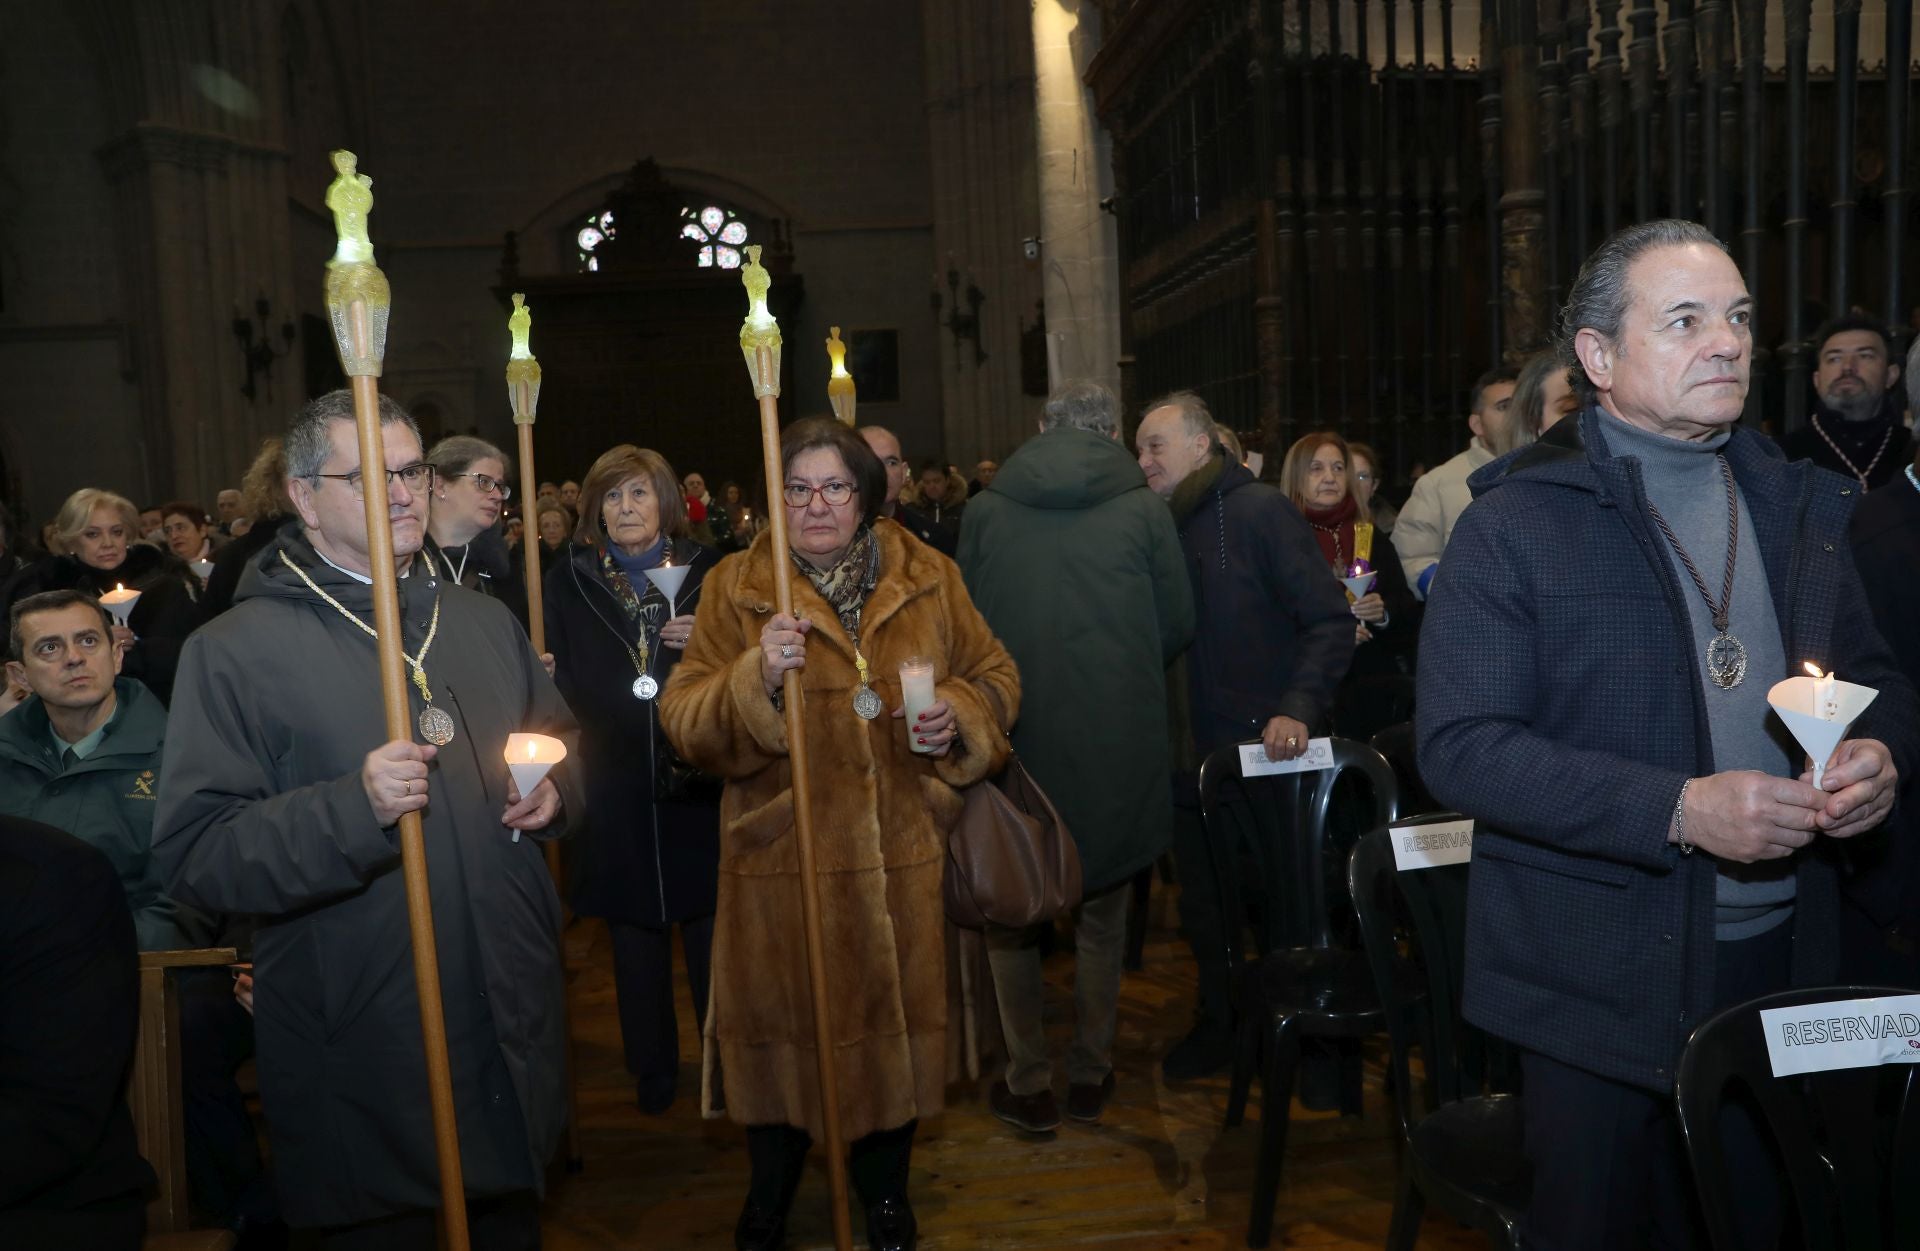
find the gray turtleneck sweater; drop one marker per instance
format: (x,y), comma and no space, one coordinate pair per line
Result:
(1683,480)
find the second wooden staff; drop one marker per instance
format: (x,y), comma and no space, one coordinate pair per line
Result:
(523,391)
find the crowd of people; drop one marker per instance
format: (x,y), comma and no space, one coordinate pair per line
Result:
(1548,607)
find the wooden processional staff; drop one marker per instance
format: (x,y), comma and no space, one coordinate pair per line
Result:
(760,343)
(523,392)
(358,302)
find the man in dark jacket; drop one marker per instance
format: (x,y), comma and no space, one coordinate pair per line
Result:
(1880,920)
(1594,671)
(71,1175)
(280,796)
(1855,427)
(82,754)
(1273,642)
(1076,567)
(936,522)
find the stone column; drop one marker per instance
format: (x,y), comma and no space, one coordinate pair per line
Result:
(1079,244)
(198,170)
(979,64)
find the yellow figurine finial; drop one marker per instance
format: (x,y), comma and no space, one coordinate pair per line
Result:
(353,280)
(523,371)
(350,196)
(840,391)
(759,330)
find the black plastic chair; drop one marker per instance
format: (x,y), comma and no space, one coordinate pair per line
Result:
(1849,1139)
(1304,984)
(1464,1149)
(1396,743)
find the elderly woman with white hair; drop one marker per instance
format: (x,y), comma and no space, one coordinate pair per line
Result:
(96,548)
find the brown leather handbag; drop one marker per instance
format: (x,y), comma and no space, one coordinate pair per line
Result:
(1010,861)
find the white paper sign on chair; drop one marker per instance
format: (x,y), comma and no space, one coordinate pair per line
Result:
(1254,762)
(1843,1034)
(1430,844)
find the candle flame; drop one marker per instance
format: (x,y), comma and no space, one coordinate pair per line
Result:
(1814,670)
(531,752)
(120,588)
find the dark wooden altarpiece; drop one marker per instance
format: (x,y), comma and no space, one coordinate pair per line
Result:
(1319,231)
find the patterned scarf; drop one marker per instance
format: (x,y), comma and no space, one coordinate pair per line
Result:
(847,585)
(642,606)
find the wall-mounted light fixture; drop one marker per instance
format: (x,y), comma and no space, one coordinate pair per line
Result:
(963,322)
(257,349)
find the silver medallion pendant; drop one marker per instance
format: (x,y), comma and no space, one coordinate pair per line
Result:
(645,687)
(1726,661)
(867,704)
(436,726)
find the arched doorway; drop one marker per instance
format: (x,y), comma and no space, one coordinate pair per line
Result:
(639,343)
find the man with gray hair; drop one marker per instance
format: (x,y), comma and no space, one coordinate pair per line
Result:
(1599,643)
(1076,567)
(279,799)
(1268,653)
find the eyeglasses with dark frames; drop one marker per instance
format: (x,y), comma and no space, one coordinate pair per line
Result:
(485,484)
(800,495)
(418,477)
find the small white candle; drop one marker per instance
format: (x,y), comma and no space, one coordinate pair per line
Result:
(529,758)
(119,601)
(916,691)
(1825,706)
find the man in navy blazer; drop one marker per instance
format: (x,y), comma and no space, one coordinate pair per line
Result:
(1594,671)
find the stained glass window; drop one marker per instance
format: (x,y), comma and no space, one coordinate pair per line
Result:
(718,232)
(597,230)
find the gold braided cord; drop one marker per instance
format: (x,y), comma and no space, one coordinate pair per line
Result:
(433,626)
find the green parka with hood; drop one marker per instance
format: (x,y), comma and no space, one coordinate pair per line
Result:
(1077,567)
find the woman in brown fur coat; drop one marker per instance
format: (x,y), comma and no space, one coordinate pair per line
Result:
(868,596)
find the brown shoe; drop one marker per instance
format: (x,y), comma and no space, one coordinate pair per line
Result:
(1036,1113)
(1087,1102)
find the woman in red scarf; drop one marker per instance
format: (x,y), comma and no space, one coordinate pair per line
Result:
(1318,477)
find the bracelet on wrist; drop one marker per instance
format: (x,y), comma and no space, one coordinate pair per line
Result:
(1680,820)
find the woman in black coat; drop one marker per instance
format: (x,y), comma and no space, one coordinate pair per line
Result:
(98,531)
(650,856)
(1378,690)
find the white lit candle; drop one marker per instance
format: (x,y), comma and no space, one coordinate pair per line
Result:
(1825,706)
(916,692)
(119,601)
(530,757)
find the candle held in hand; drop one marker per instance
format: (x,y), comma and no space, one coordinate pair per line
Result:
(1825,706)
(119,601)
(916,692)
(530,757)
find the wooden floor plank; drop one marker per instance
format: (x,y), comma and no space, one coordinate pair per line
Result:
(1159,1172)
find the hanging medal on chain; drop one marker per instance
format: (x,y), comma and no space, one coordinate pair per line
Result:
(866,702)
(436,724)
(646,686)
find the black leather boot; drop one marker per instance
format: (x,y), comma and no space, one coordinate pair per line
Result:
(891,1227)
(759,1230)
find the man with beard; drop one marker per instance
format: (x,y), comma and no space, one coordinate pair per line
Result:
(1855,428)
(280,798)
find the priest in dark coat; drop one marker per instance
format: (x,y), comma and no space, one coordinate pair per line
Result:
(281,798)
